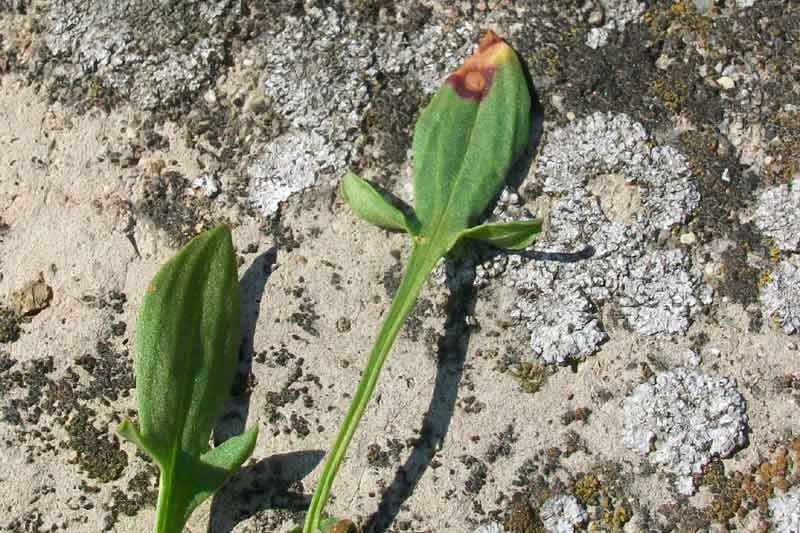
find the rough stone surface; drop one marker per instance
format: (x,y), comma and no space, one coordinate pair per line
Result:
(682,418)
(561,514)
(99,171)
(785,511)
(780,299)
(778,215)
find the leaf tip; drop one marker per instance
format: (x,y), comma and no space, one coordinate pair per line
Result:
(474,78)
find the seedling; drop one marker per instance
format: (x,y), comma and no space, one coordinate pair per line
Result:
(187,341)
(465,141)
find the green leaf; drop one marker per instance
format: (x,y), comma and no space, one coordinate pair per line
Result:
(187,340)
(370,205)
(212,470)
(467,138)
(516,235)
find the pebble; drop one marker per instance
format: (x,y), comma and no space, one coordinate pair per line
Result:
(726,82)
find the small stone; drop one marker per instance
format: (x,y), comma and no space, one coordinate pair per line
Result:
(726,82)
(595,17)
(256,103)
(561,514)
(688,238)
(343,325)
(664,61)
(32,297)
(207,184)
(596,38)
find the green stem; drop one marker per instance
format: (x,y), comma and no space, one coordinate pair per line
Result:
(168,519)
(420,264)
(163,506)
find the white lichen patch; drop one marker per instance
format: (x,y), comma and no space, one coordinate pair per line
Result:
(319,69)
(288,165)
(613,192)
(682,418)
(780,299)
(658,294)
(615,15)
(561,514)
(785,510)
(778,215)
(565,326)
(140,51)
(615,144)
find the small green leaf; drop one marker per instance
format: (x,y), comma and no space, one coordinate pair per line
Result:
(206,475)
(187,341)
(371,206)
(516,235)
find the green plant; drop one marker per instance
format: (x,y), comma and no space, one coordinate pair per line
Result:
(465,141)
(187,341)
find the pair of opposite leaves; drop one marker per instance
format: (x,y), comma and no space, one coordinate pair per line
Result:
(188,331)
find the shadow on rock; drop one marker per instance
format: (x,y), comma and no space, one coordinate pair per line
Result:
(234,416)
(453,347)
(266,484)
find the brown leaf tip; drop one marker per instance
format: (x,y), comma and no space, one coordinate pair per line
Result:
(474,78)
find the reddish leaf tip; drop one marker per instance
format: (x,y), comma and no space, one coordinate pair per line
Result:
(474,78)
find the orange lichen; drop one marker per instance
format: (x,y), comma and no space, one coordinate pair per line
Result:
(474,78)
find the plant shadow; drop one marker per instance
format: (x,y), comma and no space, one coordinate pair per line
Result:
(267,484)
(452,350)
(234,416)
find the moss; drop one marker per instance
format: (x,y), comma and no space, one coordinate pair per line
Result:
(307,317)
(587,489)
(387,124)
(735,494)
(97,454)
(530,375)
(9,326)
(522,517)
(166,201)
(141,492)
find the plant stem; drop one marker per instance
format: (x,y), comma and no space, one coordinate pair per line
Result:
(163,505)
(423,258)
(168,513)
